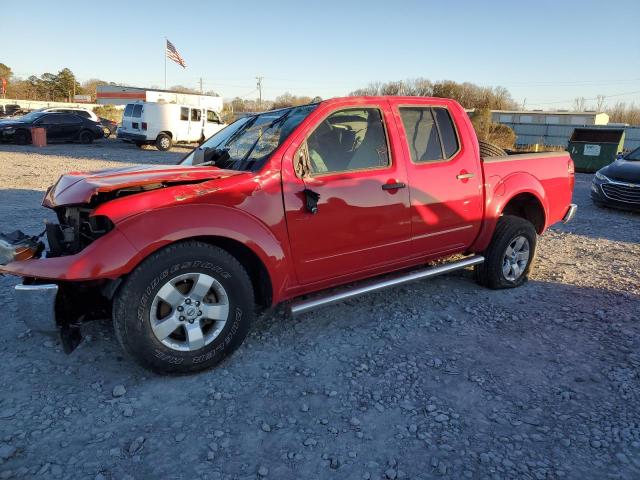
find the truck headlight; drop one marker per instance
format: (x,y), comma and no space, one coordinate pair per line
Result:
(601,177)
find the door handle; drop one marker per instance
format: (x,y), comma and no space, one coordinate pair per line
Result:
(393,186)
(464,176)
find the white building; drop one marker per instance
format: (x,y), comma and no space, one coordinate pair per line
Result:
(562,117)
(120,95)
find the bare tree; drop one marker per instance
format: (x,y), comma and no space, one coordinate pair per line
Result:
(600,99)
(579,104)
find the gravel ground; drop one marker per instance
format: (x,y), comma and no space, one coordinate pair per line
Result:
(437,379)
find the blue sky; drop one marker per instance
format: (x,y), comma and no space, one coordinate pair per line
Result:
(546,51)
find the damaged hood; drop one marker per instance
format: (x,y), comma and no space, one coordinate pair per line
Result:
(79,187)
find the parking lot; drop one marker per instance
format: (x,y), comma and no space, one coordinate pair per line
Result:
(439,378)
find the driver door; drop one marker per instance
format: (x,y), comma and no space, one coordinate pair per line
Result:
(53,127)
(362,220)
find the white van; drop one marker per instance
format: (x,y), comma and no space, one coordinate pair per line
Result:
(164,124)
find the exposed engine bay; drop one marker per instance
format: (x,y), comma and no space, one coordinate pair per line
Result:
(76,230)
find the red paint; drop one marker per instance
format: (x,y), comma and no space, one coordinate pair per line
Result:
(127,95)
(360,229)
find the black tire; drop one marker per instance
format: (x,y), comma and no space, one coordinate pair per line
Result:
(490,150)
(22,137)
(85,137)
(509,228)
(163,142)
(132,307)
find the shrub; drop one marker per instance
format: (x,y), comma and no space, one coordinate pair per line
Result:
(109,111)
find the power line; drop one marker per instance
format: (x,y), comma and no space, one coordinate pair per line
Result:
(593,98)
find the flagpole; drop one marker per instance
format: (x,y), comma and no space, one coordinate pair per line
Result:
(165,62)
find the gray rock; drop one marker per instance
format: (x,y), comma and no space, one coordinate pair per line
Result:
(118,391)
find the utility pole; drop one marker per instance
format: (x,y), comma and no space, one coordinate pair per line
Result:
(259,79)
(200,85)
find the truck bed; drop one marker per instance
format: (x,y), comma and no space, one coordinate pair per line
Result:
(548,169)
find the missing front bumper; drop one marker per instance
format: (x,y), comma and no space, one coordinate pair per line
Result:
(36,307)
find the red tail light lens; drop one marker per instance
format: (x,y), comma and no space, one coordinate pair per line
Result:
(571,167)
(144,125)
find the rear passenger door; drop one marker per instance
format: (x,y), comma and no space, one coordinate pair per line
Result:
(444,178)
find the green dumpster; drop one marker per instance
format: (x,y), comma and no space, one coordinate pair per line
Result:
(593,148)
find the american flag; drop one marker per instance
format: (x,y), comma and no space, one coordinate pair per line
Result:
(173,54)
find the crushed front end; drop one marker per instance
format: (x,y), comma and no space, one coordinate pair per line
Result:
(49,304)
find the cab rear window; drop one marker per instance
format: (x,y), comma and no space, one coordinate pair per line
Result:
(128,110)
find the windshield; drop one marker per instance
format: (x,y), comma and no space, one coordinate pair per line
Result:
(30,117)
(247,143)
(634,155)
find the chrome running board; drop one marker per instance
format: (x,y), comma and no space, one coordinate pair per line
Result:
(306,305)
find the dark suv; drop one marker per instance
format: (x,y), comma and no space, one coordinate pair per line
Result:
(60,127)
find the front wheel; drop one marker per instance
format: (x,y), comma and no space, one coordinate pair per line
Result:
(184,309)
(85,137)
(509,257)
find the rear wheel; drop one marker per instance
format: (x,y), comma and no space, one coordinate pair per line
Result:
(85,137)
(184,309)
(509,258)
(22,137)
(163,142)
(106,132)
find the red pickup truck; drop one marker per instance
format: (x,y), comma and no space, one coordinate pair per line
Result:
(278,207)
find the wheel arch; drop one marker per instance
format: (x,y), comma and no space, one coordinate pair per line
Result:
(519,194)
(258,272)
(240,234)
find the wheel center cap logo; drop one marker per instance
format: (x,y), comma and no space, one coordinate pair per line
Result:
(191,312)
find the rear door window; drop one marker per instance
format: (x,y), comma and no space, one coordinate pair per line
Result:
(447,132)
(196,115)
(422,134)
(128,110)
(184,114)
(137,111)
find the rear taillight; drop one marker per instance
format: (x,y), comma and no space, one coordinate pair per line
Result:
(571,167)
(144,125)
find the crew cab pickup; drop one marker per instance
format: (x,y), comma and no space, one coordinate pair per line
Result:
(282,206)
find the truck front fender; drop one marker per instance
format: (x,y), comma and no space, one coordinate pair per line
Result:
(155,229)
(498,197)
